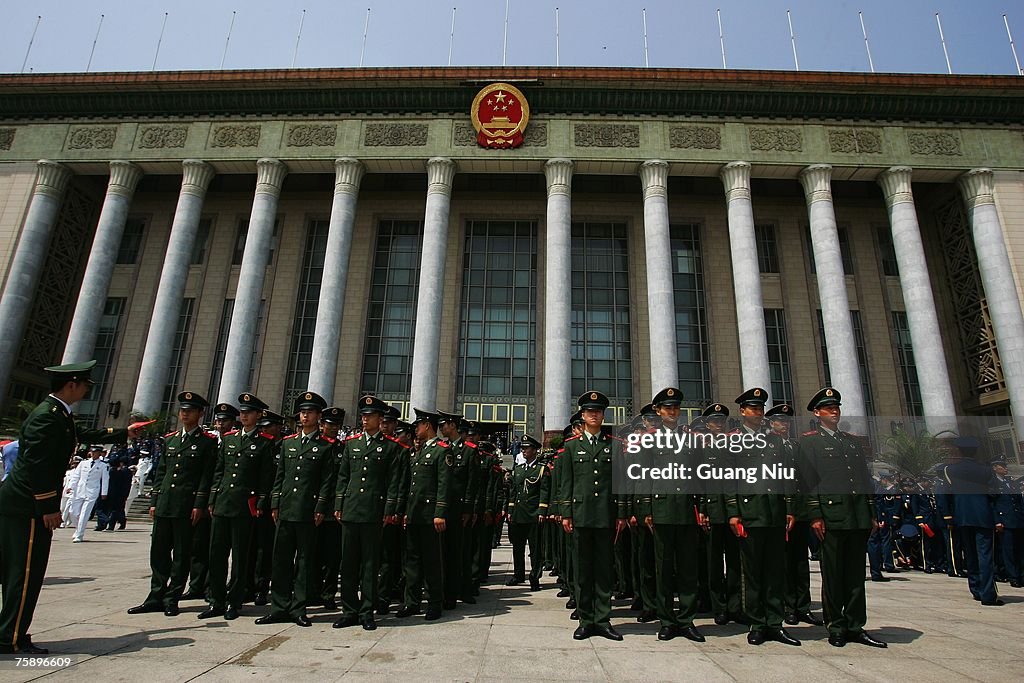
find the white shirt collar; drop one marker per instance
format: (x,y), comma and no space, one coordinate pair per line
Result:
(67,408)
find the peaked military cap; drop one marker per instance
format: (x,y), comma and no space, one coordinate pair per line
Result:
(372,404)
(72,372)
(752,397)
(97,447)
(426,416)
(577,418)
(592,400)
(335,416)
(250,402)
(825,397)
(403,427)
(472,427)
(392,413)
(780,411)
(967,443)
(529,442)
(310,401)
(222,410)
(190,399)
(715,410)
(448,417)
(669,396)
(648,411)
(999,460)
(270,418)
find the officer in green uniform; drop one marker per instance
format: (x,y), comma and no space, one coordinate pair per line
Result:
(489,509)
(526,512)
(302,496)
(759,518)
(261,547)
(242,480)
(181,491)
(641,542)
(671,514)
(30,499)
(426,507)
(366,498)
(392,536)
(842,510)
(463,458)
(328,534)
(594,514)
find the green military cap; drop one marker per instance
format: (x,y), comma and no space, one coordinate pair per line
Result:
(715,410)
(392,413)
(403,427)
(250,402)
(567,431)
(426,416)
(448,417)
(463,425)
(528,441)
(225,410)
(190,399)
(73,372)
(372,404)
(472,428)
(780,411)
(825,397)
(697,422)
(648,412)
(310,401)
(669,396)
(486,447)
(592,400)
(335,416)
(752,397)
(270,418)
(577,418)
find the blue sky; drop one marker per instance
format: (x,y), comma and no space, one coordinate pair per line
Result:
(681,33)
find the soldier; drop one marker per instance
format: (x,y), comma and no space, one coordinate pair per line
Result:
(426,506)
(30,499)
(300,499)
(328,534)
(843,514)
(594,514)
(178,503)
(464,457)
(240,492)
(889,508)
(366,498)
(261,547)
(526,512)
(392,536)
(926,518)
(642,546)
(490,510)
(1009,509)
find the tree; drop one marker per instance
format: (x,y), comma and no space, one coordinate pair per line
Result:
(11,424)
(912,455)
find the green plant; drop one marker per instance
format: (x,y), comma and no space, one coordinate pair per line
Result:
(11,423)
(912,455)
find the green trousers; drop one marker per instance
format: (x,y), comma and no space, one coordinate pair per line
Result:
(360,562)
(485,548)
(798,570)
(261,554)
(392,541)
(469,551)
(452,542)
(676,562)
(724,581)
(644,567)
(423,567)
(625,563)
(763,557)
(328,560)
(294,566)
(842,580)
(229,535)
(169,554)
(199,569)
(24,553)
(520,535)
(595,574)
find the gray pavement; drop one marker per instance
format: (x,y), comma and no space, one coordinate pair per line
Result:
(935,630)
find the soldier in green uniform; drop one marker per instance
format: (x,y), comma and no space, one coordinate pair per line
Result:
(392,536)
(302,496)
(366,498)
(181,491)
(30,499)
(594,514)
(759,518)
(426,508)
(242,479)
(261,547)
(328,534)
(641,540)
(489,510)
(463,458)
(842,510)
(530,485)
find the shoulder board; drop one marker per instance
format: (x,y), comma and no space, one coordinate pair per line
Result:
(267,436)
(470,444)
(355,436)
(169,434)
(559,452)
(571,438)
(810,433)
(443,444)
(231,433)
(208,435)
(610,436)
(327,439)
(394,440)
(291,436)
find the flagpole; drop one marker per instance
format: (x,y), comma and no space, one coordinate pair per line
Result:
(94,41)
(159,41)
(298,37)
(557,56)
(867,45)
(792,39)
(647,62)
(227,40)
(1008,35)
(366,28)
(451,38)
(942,38)
(504,41)
(31,40)
(721,37)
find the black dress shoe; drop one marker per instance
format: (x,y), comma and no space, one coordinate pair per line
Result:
(369,624)
(793,618)
(575,615)
(864,639)
(231,613)
(563,593)
(432,615)
(261,599)
(810,618)
(606,631)
(993,603)
(273,619)
(171,611)
(407,611)
(514,582)
(756,637)
(622,595)
(146,608)
(345,622)
(880,578)
(646,616)
(667,632)
(27,647)
(721,619)
(330,605)
(210,613)
(534,585)
(691,633)
(836,640)
(570,603)
(581,633)
(191,595)
(1015,584)
(780,636)
(303,621)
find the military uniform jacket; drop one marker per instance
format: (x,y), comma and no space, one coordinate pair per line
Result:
(369,477)
(1009,505)
(715,492)
(586,481)
(528,492)
(481,480)
(47,441)
(461,466)
(427,494)
(244,474)
(764,504)
(668,507)
(841,489)
(304,484)
(887,506)
(185,473)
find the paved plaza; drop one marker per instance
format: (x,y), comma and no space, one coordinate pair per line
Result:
(935,631)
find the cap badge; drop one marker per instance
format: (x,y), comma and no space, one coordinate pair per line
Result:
(188,395)
(671,392)
(757,392)
(369,401)
(593,395)
(828,392)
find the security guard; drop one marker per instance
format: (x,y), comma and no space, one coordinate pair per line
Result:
(1009,512)
(526,512)
(261,547)
(392,537)
(464,457)
(426,508)
(843,513)
(30,499)
(594,514)
(491,510)
(302,496)
(328,534)
(366,498)
(181,491)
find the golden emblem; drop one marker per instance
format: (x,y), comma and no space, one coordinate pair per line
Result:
(593,396)
(369,401)
(188,395)
(671,392)
(499,114)
(309,397)
(757,392)
(828,392)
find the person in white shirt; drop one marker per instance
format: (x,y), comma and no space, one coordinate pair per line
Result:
(142,470)
(89,483)
(66,497)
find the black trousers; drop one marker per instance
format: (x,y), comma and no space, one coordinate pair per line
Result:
(423,566)
(595,574)
(294,564)
(453,539)
(24,553)
(842,580)
(798,569)
(360,562)
(199,571)
(169,555)
(520,535)
(229,535)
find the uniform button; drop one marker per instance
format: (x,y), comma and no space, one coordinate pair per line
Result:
(360,490)
(235,474)
(596,483)
(172,486)
(364,478)
(175,474)
(595,471)
(232,486)
(296,478)
(364,469)
(596,494)
(294,489)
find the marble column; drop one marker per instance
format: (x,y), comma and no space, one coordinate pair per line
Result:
(835,304)
(429,301)
(92,297)
(27,264)
(234,380)
(746,277)
(156,359)
(558,399)
(925,336)
(1004,307)
(324,362)
(661,310)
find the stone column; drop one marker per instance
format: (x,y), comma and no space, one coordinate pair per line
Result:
(746,277)
(558,399)
(429,301)
(92,297)
(196,177)
(27,265)
(978,190)
(270,175)
(324,362)
(661,310)
(925,337)
(835,304)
